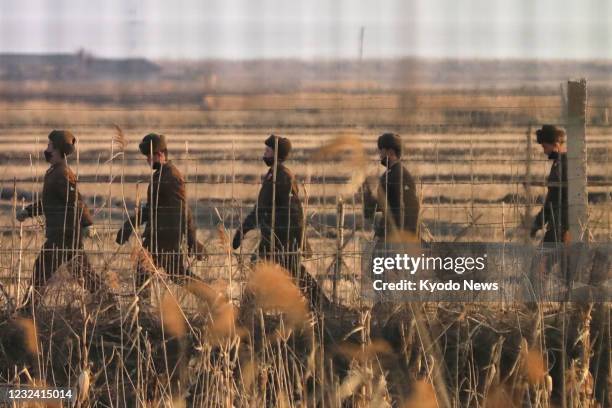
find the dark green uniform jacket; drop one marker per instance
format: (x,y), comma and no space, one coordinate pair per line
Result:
(62,205)
(278,212)
(554,212)
(166,213)
(397,199)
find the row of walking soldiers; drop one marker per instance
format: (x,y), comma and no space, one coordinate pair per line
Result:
(278,213)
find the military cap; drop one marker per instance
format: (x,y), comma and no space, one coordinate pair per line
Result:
(284,146)
(550,134)
(153,143)
(63,140)
(390,141)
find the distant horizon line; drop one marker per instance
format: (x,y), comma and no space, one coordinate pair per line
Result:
(313,59)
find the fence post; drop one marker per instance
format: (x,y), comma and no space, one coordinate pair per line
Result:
(13,244)
(339,246)
(577,159)
(528,173)
(576,328)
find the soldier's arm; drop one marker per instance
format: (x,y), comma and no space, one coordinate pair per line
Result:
(136,220)
(253,220)
(192,239)
(282,199)
(261,214)
(174,185)
(370,205)
(34,209)
(140,217)
(539,220)
(395,193)
(195,246)
(124,233)
(250,222)
(145,210)
(411,202)
(66,187)
(546,215)
(552,204)
(155,190)
(143,216)
(86,217)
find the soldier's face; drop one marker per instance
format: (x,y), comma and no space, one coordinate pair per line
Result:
(153,159)
(268,156)
(386,156)
(269,153)
(52,155)
(548,148)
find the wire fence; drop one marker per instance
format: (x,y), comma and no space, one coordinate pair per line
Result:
(480,177)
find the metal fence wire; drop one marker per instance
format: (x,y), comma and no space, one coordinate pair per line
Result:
(480,177)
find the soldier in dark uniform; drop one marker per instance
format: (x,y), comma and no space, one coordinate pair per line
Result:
(396,199)
(168,218)
(554,212)
(396,196)
(67,219)
(553,216)
(279,217)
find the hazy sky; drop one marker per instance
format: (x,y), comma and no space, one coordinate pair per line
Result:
(310,28)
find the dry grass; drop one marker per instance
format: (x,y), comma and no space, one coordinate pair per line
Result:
(274,290)
(30,336)
(423,396)
(155,354)
(362,353)
(535,367)
(171,315)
